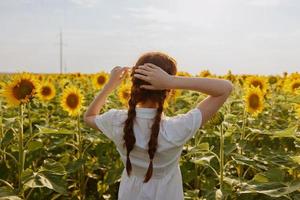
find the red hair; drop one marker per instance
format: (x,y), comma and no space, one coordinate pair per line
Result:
(138,94)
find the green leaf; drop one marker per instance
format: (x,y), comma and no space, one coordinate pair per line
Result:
(229,148)
(296,159)
(9,120)
(254,130)
(27,174)
(203,146)
(73,166)
(46,130)
(58,183)
(202,161)
(275,175)
(8,137)
(191,194)
(230,117)
(34,145)
(260,178)
(6,191)
(48,180)
(294,99)
(188,172)
(248,161)
(10,198)
(272,189)
(53,167)
(38,180)
(113,176)
(289,132)
(45,178)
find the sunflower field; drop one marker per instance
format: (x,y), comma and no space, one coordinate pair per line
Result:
(249,150)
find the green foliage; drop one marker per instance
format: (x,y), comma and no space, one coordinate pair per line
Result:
(233,156)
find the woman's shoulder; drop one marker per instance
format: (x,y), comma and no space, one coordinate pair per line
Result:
(116,111)
(118,115)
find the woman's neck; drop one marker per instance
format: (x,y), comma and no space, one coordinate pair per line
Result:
(147,105)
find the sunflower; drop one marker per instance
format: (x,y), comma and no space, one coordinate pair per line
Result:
(124,92)
(40,77)
(205,73)
(100,79)
(294,75)
(254,100)
(72,100)
(21,89)
(292,85)
(229,76)
(174,93)
(280,83)
(78,74)
(257,81)
(46,91)
(240,80)
(272,80)
(184,74)
(63,82)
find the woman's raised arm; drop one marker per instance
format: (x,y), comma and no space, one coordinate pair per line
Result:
(217,89)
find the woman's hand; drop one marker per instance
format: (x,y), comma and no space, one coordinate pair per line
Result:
(117,74)
(157,77)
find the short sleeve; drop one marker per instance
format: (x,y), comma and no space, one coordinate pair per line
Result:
(104,122)
(182,127)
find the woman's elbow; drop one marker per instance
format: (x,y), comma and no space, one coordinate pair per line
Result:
(85,118)
(229,87)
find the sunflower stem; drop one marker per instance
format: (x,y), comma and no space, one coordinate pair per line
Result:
(221,158)
(21,149)
(196,167)
(1,121)
(80,156)
(240,167)
(29,118)
(47,117)
(243,126)
(271,103)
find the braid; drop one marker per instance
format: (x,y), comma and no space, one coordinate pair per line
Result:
(154,135)
(168,64)
(128,131)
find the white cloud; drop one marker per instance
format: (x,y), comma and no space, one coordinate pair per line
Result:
(265,3)
(152,14)
(85,3)
(169,19)
(116,17)
(248,35)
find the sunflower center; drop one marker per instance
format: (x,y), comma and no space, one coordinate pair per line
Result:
(23,89)
(101,80)
(46,91)
(72,101)
(125,95)
(272,80)
(295,86)
(257,83)
(254,101)
(205,74)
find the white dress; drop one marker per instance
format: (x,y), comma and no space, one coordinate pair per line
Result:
(166,180)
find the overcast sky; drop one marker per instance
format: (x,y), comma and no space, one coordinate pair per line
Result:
(246,36)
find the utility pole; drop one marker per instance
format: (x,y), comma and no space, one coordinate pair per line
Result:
(61,51)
